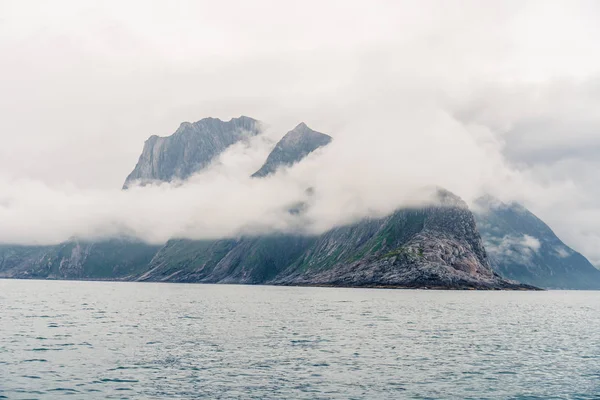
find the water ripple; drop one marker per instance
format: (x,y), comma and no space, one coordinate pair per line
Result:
(130,340)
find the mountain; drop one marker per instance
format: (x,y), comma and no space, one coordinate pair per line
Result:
(109,259)
(250,260)
(192,147)
(434,247)
(430,247)
(293,147)
(522,247)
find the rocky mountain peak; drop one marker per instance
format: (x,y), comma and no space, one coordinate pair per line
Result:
(446,198)
(293,147)
(301,127)
(183,126)
(189,149)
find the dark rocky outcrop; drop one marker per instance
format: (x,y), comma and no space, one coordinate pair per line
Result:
(522,247)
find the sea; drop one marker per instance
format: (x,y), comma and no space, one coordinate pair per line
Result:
(122,340)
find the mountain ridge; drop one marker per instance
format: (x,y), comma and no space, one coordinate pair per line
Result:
(189,149)
(524,248)
(435,246)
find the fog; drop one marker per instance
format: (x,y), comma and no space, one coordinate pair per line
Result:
(498,97)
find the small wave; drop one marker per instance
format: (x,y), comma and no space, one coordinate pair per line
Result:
(118,380)
(61,389)
(120,368)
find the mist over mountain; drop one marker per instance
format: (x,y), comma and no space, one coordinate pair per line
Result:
(435,247)
(432,242)
(226,199)
(482,98)
(426,246)
(522,247)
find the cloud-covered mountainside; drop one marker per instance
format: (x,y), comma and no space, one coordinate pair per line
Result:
(436,247)
(485,98)
(522,247)
(433,244)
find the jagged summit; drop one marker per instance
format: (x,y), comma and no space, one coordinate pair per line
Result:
(301,127)
(210,122)
(293,147)
(192,147)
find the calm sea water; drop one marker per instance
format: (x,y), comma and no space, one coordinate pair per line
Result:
(144,340)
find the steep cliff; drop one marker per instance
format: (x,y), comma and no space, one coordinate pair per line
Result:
(191,148)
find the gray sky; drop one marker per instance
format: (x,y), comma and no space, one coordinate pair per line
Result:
(499,96)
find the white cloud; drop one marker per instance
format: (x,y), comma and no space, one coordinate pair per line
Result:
(531,243)
(519,248)
(562,252)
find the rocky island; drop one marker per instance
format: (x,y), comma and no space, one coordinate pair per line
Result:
(437,246)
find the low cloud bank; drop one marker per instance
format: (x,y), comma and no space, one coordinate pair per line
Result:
(349,181)
(373,166)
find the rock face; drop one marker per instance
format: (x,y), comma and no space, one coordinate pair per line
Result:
(522,247)
(293,147)
(192,147)
(431,247)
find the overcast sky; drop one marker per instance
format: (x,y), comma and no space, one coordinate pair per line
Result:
(498,96)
